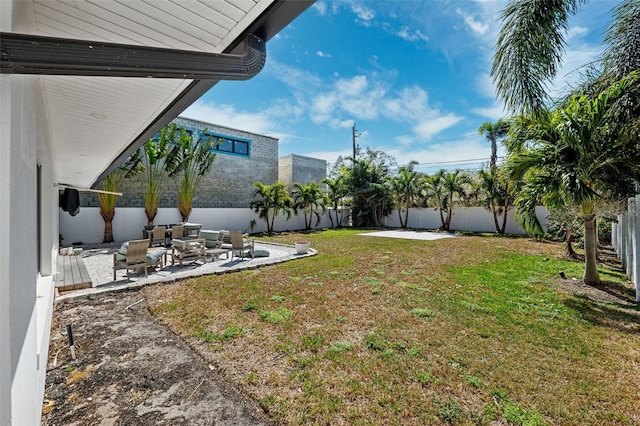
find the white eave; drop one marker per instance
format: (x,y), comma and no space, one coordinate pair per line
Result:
(95,122)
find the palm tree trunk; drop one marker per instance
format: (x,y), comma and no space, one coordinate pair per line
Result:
(400,216)
(504,220)
(108,226)
(494,153)
(151,214)
(406,217)
(494,210)
(591,275)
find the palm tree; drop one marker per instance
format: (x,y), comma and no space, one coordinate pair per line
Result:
(150,158)
(498,199)
(308,198)
(530,47)
(367,181)
(444,187)
(271,199)
(336,191)
(107,200)
(574,156)
(405,187)
(494,131)
(187,162)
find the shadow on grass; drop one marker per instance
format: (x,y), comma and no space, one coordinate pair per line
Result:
(624,316)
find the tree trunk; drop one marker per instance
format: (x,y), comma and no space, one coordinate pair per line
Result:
(151,214)
(494,153)
(504,220)
(406,217)
(591,275)
(494,211)
(108,226)
(571,254)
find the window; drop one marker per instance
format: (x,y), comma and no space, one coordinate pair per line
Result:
(229,145)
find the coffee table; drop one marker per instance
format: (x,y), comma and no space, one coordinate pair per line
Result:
(217,252)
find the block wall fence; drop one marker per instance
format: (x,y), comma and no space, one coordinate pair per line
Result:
(88,227)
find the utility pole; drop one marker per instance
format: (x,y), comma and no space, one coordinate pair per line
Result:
(354,135)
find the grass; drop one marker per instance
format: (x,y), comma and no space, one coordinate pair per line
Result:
(471,330)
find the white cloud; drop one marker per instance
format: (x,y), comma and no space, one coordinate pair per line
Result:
(362,12)
(430,127)
(493,113)
(320,7)
(322,54)
(476,26)
(265,122)
(576,32)
(409,34)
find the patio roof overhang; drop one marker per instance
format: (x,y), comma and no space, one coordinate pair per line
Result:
(97,120)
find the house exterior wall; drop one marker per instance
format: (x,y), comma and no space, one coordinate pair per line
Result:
(27,253)
(300,169)
(227,185)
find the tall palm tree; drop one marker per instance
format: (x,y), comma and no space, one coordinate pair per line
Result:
(498,196)
(405,187)
(308,198)
(150,158)
(531,44)
(574,156)
(269,201)
(444,187)
(187,162)
(336,191)
(494,131)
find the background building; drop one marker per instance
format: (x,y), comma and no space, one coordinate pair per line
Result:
(298,168)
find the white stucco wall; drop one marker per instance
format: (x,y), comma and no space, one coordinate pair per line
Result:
(25,293)
(88,227)
(475,219)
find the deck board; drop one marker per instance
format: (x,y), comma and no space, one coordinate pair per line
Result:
(72,274)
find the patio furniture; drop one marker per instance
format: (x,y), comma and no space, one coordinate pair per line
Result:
(213,239)
(158,236)
(192,230)
(131,255)
(177,232)
(188,249)
(217,252)
(240,246)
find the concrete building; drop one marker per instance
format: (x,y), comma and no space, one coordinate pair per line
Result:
(298,168)
(243,158)
(81,88)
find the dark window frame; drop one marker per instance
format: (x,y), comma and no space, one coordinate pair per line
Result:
(236,145)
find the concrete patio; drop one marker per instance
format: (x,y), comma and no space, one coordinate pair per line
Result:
(98,260)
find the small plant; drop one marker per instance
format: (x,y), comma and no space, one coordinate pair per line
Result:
(450,411)
(425,378)
(277,298)
(313,343)
(231,333)
(376,290)
(422,313)
(474,381)
(277,316)
(375,343)
(249,306)
(69,368)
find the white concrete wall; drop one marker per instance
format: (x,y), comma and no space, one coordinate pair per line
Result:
(475,219)
(26,286)
(88,227)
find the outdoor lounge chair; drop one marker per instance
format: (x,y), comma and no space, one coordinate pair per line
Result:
(158,236)
(188,249)
(177,232)
(240,245)
(131,255)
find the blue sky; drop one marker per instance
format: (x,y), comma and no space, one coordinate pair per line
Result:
(412,75)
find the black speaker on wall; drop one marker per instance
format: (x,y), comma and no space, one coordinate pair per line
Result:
(70,201)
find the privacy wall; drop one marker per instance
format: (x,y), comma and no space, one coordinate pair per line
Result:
(627,242)
(88,227)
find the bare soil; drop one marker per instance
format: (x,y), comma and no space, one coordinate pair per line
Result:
(129,370)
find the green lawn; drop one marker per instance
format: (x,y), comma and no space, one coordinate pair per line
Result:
(469,330)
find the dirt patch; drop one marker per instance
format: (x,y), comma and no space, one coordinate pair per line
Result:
(132,371)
